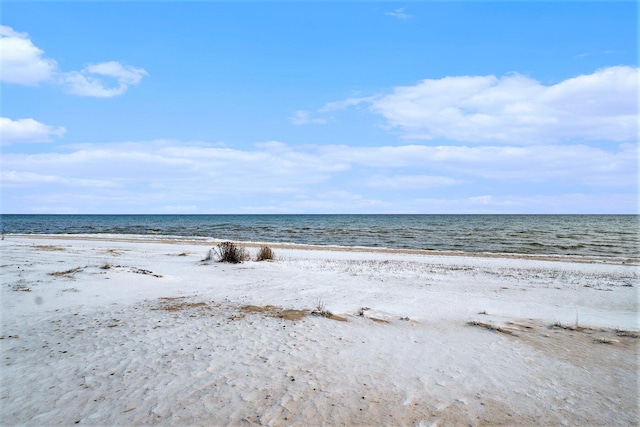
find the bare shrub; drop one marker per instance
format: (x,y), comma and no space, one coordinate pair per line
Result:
(265,254)
(321,309)
(230,252)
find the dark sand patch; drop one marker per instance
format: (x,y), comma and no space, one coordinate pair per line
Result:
(578,345)
(180,306)
(274,311)
(49,248)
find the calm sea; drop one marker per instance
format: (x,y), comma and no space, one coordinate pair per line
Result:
(586,235)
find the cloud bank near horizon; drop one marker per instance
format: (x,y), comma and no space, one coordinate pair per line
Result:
(281,178)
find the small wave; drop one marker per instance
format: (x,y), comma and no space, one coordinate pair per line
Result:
(570,247)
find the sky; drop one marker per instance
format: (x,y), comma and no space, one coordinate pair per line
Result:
(430,107)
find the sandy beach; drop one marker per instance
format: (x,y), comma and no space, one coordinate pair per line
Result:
(114,331)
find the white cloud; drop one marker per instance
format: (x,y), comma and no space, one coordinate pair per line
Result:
(566,203)
(27,131)
(513,109)
(180,209)
(538,163)
(398,13)
(302,117)
(13,178)
(350,102)
(158,176)
(21,61)
(275,164)
(404,182)
(339,201)
(86,83)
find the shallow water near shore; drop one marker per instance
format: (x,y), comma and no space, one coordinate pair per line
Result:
(582,235)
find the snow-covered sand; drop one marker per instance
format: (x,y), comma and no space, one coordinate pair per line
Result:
(121,332)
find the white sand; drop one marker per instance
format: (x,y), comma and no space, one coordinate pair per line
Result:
(162,338)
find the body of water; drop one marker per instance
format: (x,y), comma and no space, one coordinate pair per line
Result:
(585,235)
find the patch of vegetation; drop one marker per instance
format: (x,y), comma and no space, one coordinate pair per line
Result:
(265,254)
(48,248)
(229,252)
(490,327)
(68,273)
(143,271)
(629,334)
(558,325)
(322,311)
(21,287)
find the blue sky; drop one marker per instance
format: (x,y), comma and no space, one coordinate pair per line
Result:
(319,107)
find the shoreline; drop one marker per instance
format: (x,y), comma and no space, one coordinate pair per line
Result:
(133,238)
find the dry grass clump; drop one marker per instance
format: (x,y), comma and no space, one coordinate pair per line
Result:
(229,252)
(490,327)
(69,272)
(21,287)
(265,254)
(48,248)
(576,327)
(322,311)
(629,334)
